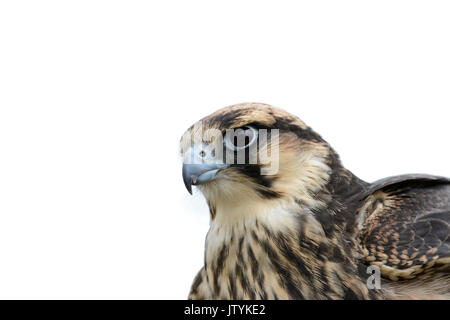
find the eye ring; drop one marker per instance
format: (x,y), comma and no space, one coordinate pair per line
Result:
(231,145)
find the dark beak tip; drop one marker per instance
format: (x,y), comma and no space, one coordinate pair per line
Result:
(187,180)
(188,185)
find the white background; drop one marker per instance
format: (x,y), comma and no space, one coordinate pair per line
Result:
(94,96)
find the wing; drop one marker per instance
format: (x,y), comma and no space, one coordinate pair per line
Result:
(404,225)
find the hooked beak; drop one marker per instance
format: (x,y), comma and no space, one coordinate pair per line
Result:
(195,174)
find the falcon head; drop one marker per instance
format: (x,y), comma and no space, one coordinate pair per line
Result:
(255,154)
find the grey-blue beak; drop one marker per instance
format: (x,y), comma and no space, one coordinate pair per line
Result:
(195,174)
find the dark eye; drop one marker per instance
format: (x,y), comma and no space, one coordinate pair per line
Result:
(241,138)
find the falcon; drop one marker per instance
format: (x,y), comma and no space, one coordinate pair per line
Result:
(289,221)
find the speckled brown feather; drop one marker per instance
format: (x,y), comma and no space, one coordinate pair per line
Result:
(406,226)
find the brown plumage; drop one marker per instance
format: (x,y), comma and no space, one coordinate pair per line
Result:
(311,229)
